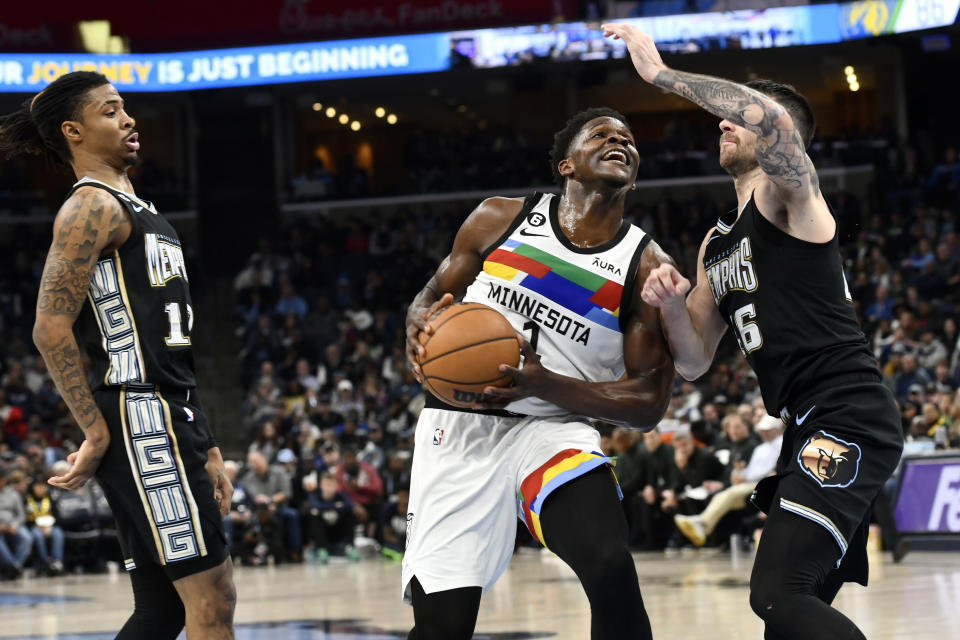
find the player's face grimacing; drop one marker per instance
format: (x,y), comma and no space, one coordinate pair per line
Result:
(107,129)
(604,149)
(737,149)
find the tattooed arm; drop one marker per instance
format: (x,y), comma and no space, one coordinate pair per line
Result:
(89,224)
(780,150)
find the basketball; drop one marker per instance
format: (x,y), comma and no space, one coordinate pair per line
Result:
(463,355)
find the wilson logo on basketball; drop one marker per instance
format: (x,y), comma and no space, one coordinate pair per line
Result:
(461,395)
(830,461)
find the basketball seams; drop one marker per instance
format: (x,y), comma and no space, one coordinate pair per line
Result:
(468,307)
(466,346)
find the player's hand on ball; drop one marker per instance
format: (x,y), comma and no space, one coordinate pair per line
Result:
(526,381)
(643,51)
(418,322)
(665,286)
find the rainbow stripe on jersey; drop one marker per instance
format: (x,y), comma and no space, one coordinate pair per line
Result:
(581,291)
(558,470)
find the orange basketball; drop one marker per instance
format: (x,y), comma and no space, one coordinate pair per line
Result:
(463,355)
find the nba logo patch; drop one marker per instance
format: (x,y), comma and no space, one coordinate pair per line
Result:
(437,436)
(830,461)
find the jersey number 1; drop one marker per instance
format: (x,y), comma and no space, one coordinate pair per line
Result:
(748,333)
(177,338)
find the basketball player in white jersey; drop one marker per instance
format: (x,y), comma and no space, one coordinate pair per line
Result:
(567,272)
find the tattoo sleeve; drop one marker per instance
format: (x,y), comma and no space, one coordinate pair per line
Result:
(780,149)
(86,225)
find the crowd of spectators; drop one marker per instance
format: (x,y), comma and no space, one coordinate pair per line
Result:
(329,405)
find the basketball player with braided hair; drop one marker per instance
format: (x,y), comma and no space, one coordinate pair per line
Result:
(115,283)
(566,271)
(772,272)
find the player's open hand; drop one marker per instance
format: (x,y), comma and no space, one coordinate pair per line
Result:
(85,460)
(643,51)
(526,381)
(664,287)
(418,321)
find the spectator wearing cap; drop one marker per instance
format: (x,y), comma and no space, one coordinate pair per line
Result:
(15,538)
(344,399)
(269,488)
(763,462)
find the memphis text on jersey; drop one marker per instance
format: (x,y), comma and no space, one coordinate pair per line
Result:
(543,314)
(164,259)
(732,271)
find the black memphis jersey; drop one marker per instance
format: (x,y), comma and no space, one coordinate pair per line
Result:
(788,304)
(138,318)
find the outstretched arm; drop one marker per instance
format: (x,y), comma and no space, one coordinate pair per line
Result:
(780,150)
(88,224)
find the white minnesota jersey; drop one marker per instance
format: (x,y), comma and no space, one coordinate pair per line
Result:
(568,301)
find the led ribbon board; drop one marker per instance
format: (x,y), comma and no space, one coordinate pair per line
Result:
(368,57)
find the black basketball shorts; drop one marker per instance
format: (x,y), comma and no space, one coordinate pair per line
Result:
(840,446)
(154,478)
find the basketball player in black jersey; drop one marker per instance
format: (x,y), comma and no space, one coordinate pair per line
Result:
(773,274)
(115,282)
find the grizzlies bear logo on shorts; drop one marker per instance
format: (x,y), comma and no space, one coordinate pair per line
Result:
(830,461)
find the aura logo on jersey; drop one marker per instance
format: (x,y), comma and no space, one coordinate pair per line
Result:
(164,259)
(732,271)
(830,461)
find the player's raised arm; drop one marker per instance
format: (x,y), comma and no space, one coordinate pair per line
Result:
(455,273)
(88,224)
(780,148)
(692,323)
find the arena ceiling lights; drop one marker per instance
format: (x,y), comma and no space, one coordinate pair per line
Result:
(486,48)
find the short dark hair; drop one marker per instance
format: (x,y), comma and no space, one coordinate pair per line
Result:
(35,127)
(795,104)
(563,138)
